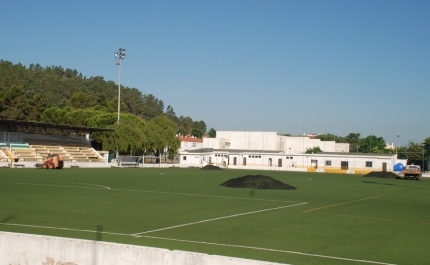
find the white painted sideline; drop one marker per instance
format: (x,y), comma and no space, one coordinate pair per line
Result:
(16,248)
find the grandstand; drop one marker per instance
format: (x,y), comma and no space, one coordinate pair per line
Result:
(23,144)
(72,151)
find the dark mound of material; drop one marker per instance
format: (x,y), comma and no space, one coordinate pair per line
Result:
(211,167)
(257,182)
(382,174)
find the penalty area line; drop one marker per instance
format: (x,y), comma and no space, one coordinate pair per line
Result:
(218,218)
(97,187)
(201,195)
(64,228)
(272,250)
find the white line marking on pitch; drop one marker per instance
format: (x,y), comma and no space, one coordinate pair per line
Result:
(147,191)
(62,228)
(272,250)
(202,195)
(206,243)
(214,219)
(55,185)
(89,184)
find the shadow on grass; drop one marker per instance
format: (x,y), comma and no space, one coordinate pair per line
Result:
(372,182)
(390,184)
(7,219)
(99,233)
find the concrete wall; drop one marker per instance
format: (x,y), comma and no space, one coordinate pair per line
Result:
(248,140)
(19,249)
(297,145)
(270,141)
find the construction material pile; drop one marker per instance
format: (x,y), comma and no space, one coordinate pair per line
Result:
(257,182)
(211,167)
(382,174)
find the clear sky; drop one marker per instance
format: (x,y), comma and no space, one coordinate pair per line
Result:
(286,66)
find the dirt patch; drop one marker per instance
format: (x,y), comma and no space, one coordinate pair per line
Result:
(211,167)
(257,182)
(382,174)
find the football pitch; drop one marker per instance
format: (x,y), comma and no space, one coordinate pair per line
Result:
(329,219)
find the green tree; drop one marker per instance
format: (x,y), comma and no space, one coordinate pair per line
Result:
(161,132)
(426,146)
(128,137)
(171,113)
(152,107)
(36,107)
(54,115)
(331,137)
(373,144)
(212,133)
(80,100)
(112,106)
(101,100)
(197,133)
(313,150)
(200,125)
(13,104)
(185,126)
(354,141)
(413,151)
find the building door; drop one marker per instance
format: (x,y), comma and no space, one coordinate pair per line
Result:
(234,161)
(270,162)
(210,160)
(344,165)
(384,166)
(314,163)
(280,162)
(244,161)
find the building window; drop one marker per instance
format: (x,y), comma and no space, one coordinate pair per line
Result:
(369,164)
(291,157)
(328,163)
(227,143)
(194,144)
(288,157)
(184,158)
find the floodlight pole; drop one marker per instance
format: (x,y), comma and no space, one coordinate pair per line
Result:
(119,56)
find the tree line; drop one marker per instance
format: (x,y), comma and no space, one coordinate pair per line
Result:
(377,145)
(64,96)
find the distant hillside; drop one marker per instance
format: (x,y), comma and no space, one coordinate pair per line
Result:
(25,92)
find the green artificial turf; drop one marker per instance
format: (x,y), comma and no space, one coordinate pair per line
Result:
(328,219)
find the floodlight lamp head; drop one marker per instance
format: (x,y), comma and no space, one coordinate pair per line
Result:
(116,54)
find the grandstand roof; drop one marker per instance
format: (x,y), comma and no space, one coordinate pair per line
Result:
(46,128)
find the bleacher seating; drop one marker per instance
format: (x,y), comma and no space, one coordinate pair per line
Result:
(3,156)
(27,154)
(70,150)
(9,153)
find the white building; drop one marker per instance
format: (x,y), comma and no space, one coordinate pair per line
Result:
(267,150)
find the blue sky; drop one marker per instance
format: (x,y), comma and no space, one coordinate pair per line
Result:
(286,66)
